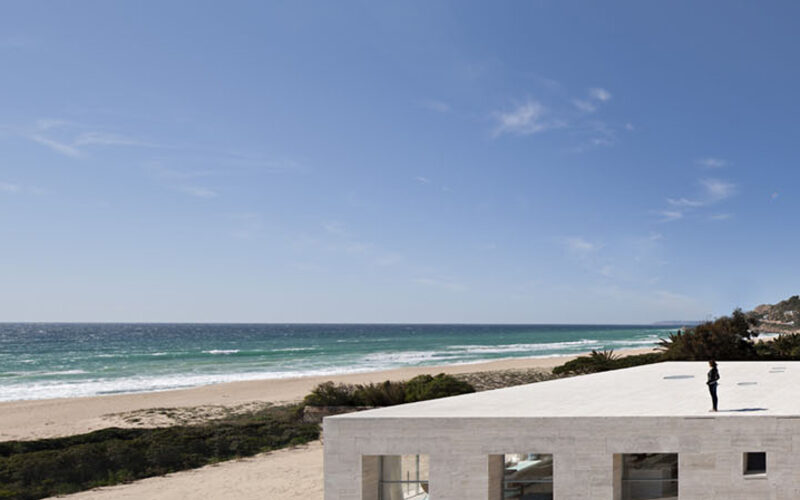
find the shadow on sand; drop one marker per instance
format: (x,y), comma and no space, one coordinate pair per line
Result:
(743,410)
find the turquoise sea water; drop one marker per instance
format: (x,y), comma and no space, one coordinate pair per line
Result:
(40,361)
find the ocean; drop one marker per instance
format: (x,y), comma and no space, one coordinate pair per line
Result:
(48,360)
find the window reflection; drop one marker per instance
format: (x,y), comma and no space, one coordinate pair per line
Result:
(528,476)
(650,476)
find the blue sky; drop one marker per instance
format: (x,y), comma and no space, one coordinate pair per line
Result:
(570,162)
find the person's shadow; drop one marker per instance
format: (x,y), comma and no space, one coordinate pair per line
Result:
(744,410)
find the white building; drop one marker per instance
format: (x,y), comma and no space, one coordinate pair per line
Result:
(639,433)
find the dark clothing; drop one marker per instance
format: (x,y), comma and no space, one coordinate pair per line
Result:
(713,380)
(712,388)
(713,376)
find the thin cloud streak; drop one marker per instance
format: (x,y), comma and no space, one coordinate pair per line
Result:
(711,162)
(670,215)
(580,246)
(525,119)
(714,191)
(58,147)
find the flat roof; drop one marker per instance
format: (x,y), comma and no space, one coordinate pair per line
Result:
(746,388)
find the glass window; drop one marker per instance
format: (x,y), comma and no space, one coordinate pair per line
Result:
(528,476)
(650,476)
(755,463)
(404,477)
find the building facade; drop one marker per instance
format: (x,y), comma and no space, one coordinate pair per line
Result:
(640,433)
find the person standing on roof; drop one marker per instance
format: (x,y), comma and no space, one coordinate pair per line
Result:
(713,380)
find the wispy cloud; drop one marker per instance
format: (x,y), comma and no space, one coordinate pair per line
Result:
(70,138)
(774,196)
(712,191)
(596,96)
(600,94)
(7,187)
(670,215)
(422,180)
(435,105)
(684,202)
(711,162)
(106,139)
(44,124)
(334,227)
(718,190)
(585,106)
(199,191)
(58,147)
(572,114)
(13,188)
(526,119)
(607,271)
(580,246)
(716,217)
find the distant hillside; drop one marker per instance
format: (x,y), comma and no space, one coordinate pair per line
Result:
(781,317)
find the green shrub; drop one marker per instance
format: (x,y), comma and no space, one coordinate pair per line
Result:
(330,394)
(387,393)
(424,387)
(600,361)
(725,339)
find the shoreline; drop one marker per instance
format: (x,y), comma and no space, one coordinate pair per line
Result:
(44,418)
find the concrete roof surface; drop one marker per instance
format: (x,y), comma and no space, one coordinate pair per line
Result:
(754,388)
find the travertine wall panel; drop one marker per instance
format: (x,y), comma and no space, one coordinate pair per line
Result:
(710,452)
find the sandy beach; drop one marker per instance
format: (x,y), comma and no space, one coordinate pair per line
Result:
(36,419)
(285,474)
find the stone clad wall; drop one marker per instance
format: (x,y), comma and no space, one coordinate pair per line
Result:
(710,452)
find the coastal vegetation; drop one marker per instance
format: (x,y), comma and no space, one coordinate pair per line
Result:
(728,338)
(388,393)
(601,361)
(47,467)
(36,469)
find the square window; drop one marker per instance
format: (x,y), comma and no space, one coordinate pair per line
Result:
(646,476)
(403,477)
(755,463)
(527,476)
